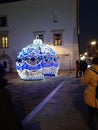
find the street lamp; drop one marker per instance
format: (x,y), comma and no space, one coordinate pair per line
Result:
(93,43)
(86,55)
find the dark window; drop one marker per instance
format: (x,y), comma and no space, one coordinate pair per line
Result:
(3,21)
(41,37)
(5,64)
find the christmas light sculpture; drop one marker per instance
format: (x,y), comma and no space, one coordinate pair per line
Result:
(36,61)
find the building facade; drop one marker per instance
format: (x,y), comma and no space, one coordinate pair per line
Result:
(54,21)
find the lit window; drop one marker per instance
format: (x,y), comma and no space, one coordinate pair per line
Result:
(4,42)
(57,39)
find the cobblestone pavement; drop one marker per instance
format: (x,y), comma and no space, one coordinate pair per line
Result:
(26,95)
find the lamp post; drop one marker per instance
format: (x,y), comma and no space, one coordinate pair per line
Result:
(93,43)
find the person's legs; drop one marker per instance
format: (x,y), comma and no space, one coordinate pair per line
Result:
(91,113)
(96,118)
(83,72)
(97,113)
(77,73)
(80,73)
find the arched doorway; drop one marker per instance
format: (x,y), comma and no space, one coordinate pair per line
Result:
(6,61)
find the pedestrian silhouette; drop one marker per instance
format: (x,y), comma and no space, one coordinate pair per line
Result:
(83,67)
(80,68)
(8,118)
(77,68)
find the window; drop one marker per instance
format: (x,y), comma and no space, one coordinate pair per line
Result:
(4,39)
(40,34)
(41,37)
(57,39)
(4,42)
(3,21)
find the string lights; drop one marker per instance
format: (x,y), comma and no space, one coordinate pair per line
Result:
(37,60)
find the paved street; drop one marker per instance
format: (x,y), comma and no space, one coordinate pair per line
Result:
(65,110)
(63,107)
(26,95)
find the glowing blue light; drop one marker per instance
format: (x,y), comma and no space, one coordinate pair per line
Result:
(37,60)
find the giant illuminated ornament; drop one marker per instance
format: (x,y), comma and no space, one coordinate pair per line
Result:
(37,60)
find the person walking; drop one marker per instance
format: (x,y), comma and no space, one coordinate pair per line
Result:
(80,68)
(84,66)
(77,68)
(90,80)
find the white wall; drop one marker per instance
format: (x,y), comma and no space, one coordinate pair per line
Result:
(27,16)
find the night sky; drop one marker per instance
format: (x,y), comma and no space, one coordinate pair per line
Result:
(88,23)
(88,20)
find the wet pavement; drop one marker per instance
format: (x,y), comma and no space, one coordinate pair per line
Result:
(55,103)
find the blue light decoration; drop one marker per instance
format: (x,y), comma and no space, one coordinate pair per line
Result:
(36,61)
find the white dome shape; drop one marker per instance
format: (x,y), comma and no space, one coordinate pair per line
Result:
(37,60)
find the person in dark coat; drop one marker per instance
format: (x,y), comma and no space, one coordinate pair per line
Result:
(77,67)
(81,68)
(8,118)
(84,66)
